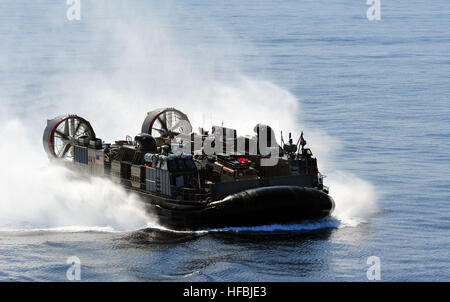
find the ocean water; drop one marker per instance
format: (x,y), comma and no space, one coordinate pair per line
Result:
(372,97)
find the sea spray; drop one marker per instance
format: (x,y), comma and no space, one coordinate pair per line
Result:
(37,194)
(354,197)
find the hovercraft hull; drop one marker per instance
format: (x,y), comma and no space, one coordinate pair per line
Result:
(230,185)
(253,207)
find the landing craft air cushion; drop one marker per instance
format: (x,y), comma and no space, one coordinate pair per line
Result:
(202,180)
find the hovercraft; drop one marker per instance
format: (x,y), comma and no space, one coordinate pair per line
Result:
(192,181)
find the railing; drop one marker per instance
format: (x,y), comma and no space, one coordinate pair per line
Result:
(190,193)
(321,185)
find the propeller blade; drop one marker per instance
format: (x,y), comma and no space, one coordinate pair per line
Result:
(162,119)
(77,129)
(67,147)
(62,135)
(176,126)
(63,150)
(169,119)
(72,126)
(159,130)
(183,125)
(66,128)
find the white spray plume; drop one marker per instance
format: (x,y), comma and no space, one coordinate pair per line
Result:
(355,198)
(35,194)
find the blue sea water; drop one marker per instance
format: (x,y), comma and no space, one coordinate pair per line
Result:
(380,90)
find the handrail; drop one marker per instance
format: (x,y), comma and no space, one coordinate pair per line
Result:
(190,193)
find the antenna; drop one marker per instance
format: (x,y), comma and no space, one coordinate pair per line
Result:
(203,120)
(301,141)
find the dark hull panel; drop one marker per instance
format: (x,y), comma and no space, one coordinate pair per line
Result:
(253,207)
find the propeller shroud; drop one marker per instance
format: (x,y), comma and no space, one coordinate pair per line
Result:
(166,123)
(62,132)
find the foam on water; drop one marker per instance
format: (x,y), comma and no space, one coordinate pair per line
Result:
(325,223)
